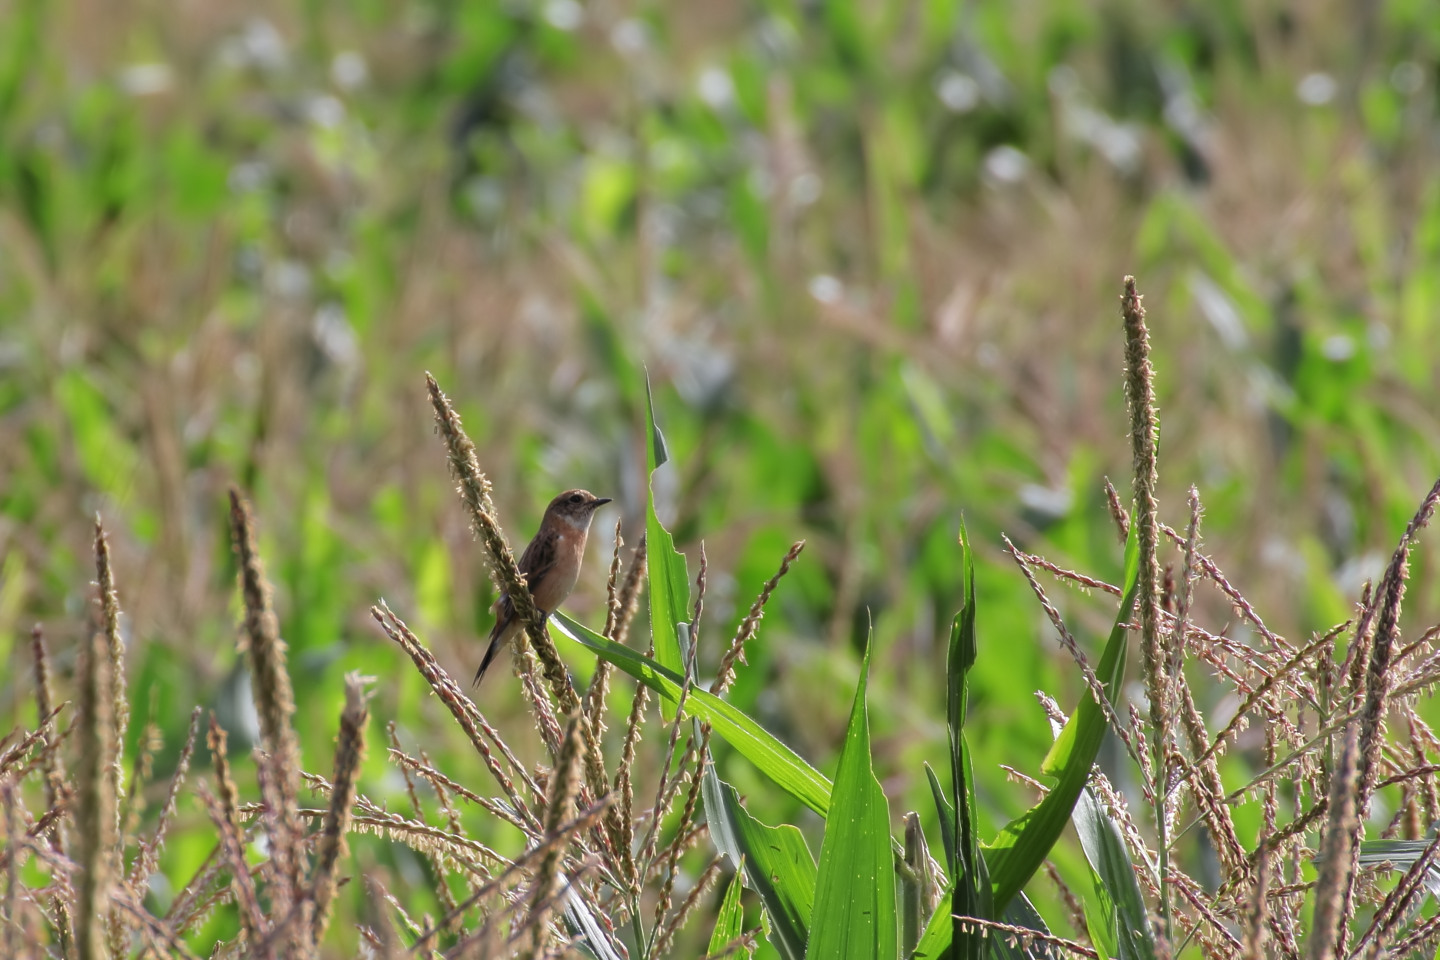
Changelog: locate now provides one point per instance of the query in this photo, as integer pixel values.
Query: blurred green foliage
(869, 254)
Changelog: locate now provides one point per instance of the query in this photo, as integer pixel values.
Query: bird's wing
(535, 563)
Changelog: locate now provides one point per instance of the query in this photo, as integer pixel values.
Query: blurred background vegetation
(870, 254)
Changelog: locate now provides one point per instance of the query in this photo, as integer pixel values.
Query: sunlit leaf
(776, 862)
(773, 758)
(855, 907)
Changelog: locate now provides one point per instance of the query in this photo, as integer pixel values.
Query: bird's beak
(600, 502)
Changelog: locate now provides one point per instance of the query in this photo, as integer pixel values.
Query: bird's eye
(576, 498)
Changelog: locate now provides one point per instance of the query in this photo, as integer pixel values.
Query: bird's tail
(498, 636)
(490, 652)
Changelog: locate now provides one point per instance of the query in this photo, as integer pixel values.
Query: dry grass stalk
(581, 824)
(559, 810)
(1140, 393)
(593, 712)
(725, 675)
(1378, 685)
(95, 832)
(1175, 654)
(133, 806)
(443, 785)
(1015, 936)
(670, 857)
(223, 812)
(1243, 606)
(666, 933)
(1257, 914)
(115, 649)
(349, 751)
(474, 489)
(275, 703)
(1092, 682)
(11, 920)
(52, 764)
(600, 683)
(148, 855)
(409, 767)
(1337, 864)
(629, 595)
(1074, 909)
(1118, 513)
(621, 822)
(664, 791)
(1292, 669)
(158, 935)
(1209, 790)
(56, 792)
(465, 713)
(415, 834)
(746, 941)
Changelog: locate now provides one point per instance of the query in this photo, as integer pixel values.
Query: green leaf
(855, 909)
(729, 922)
(1025, 842)
(774, 759)
(667, 575)
(939, 933)
(775, 860)
(1117, 893)
(967, 866)
(935, 942)
(945, 810)
(1019, 913)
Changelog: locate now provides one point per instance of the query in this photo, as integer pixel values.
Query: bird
(550, 565)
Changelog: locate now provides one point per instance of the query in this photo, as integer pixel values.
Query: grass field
(869, 257)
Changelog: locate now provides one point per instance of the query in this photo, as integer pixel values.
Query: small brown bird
(551, 565)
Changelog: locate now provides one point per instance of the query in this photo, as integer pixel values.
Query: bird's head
(574, 507)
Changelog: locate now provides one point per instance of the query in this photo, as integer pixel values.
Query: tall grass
(624, 827)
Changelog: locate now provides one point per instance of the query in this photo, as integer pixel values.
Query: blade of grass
(855, 907)
(669, 579)
(1118, 897)
(776, 862)
(945, 810)
(967, 865)
(729, 921)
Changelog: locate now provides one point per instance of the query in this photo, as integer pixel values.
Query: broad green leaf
(1117, 894)
(729, 922)
(967, 866)
(855, 909)
(774, 759)
(775, 860)
(1025, 842)
(668, 578)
